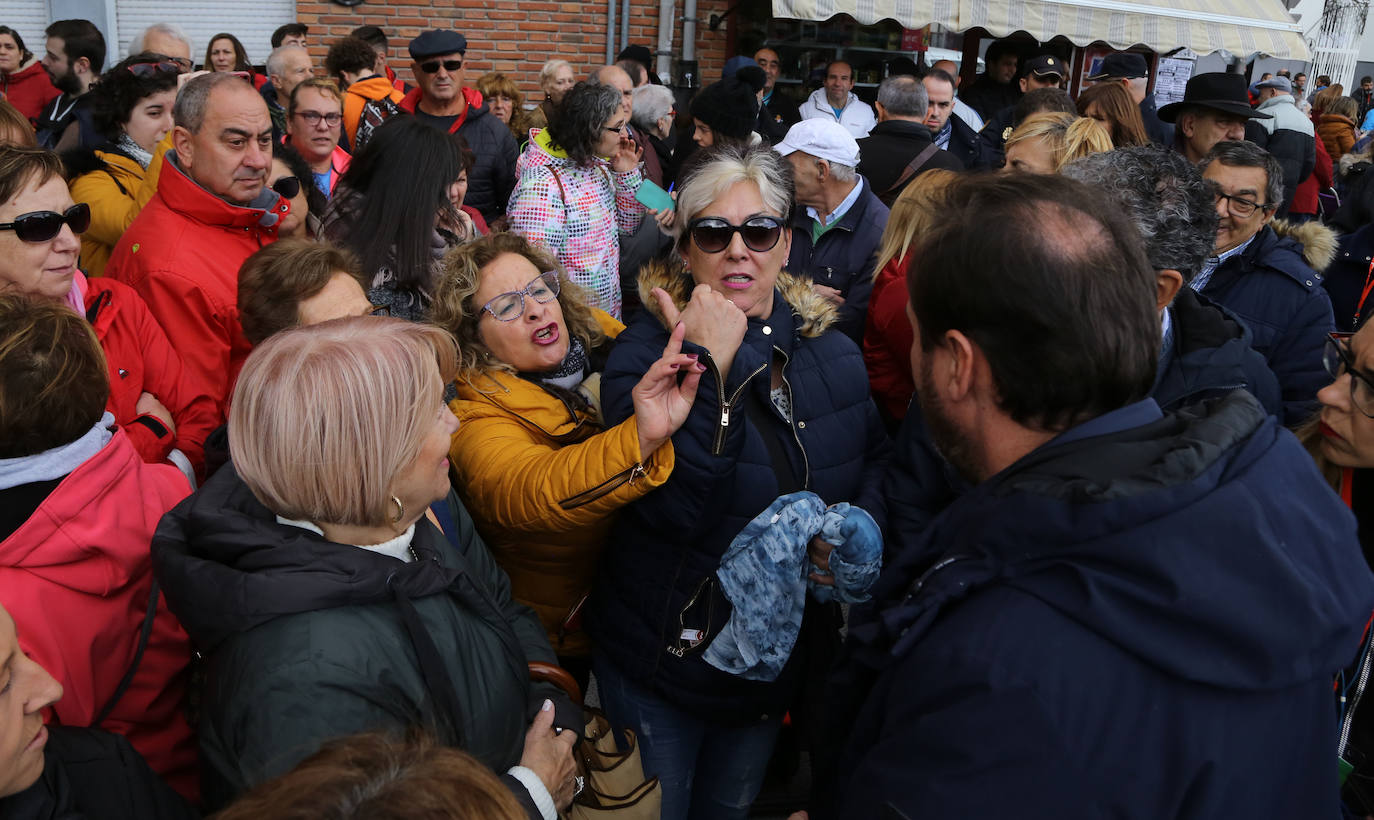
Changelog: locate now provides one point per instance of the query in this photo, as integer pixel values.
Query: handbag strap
(128, 678)
(912, 168)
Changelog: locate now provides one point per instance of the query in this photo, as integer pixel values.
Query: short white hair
(713, 171)
(276, 61)
(651, 103)
(170, 29)
(551, 68)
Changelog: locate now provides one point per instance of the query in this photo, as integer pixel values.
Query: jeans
(707, 772)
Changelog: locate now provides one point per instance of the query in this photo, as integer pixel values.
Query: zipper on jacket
(718, 444)
(605, 488)
(792, 422)
(1354, 703)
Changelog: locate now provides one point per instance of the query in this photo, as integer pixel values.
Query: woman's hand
(627, 156)
(712, 321)
(665, 218)
(550, 756)
(819, 551)
(148, 405)
(661, 404)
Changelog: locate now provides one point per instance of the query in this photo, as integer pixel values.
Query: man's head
(940, 96)
(1203, 128)
(437, 57)
(1266, 75)
(350, 60)
(1127, 68)
(1214, 108)
(1299, 81)
(949, 67)
(314, 119)
(166, 39)
(1323, 81)
(223, 136)
(375, 37)
(289, 66)
(1248, 183)
(1367, 83)
(771, 64)
(75, 55)
(823, 155)
(615, 77)
(1025, 332)
(291, 34)
(1001, 60)
(1172, 206)
(839, 81)
(638, 76)
(1044, 71)
(1274, 87)
(902, 98)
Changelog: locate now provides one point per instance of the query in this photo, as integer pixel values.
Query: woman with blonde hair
(506, 103)
(1043, 143)
(538, 467)
(888, 335)
(556, 79)
(1112, 106)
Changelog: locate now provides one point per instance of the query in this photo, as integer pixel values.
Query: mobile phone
(654, 197)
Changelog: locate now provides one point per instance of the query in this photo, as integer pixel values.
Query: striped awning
(1241, 27)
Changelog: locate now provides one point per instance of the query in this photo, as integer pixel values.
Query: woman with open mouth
(1341, 437)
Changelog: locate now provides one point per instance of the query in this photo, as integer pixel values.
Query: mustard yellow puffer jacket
(112, 194)
(543, 484)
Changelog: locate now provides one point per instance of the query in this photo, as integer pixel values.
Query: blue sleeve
(1296, 357)
(920, 484)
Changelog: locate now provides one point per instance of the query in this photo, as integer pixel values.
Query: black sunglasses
(150, 69)
(41, 226)
(713, 235)
(288, 187)
(432, 66)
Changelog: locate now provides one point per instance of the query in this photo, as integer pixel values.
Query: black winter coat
(1212, 354)
(734, 456)
(887, 150)
(1160, 132)
(1345, 279)
(492, 177)
(845, 256)
(969, 148)
(306, 640)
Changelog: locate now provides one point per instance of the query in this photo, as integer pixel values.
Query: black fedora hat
(1219, 91)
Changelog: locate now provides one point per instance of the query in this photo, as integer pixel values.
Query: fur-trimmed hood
(1319, 243)
(815, 313)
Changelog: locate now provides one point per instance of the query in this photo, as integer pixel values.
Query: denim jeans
(708, 772)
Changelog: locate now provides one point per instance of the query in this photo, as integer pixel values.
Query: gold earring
(400, 510)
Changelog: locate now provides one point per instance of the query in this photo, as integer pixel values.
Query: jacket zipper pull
(725, 415)
(637, 472)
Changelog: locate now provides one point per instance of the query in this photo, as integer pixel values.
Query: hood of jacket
(1212, 355)
(476, 109)
(1137, 536)
(815, 313)
(79, 537)
(373, 88)
(30, 71)
(227, 565)
(540, 151)
(1319, 243)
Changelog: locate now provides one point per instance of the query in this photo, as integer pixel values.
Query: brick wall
(516, 42)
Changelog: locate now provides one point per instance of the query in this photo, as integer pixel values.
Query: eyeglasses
(713, 235)
(509, 306)
(151, 69)
(1338, 361)
(1239, 206)
(288, 187)
(432, 66)
(621, 129)
(42, 226)
(312, 118)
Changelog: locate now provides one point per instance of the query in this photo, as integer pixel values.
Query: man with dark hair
(900, 148)
(291, 34)
(996, 87)
(369, 98)
(837, 102)
(441, 100)
(1079, 603)
(1364, 95)
(74, 58)
(950, 132)
(375, 37)
(1271, 281)
(777, 108)
(638, 76)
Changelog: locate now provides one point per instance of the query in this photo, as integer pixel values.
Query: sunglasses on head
(42, 226)
(432, 66)
(150, 69)
(713, 234)
(287, 187)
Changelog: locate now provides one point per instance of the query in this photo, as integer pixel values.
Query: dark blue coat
(1274, 290)
(666, 546)
(845, 256)
(1345, 279)
(1139, 624)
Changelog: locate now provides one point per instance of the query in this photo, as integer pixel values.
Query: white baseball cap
(822, 139)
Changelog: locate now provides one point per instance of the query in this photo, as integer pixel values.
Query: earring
(400, 510)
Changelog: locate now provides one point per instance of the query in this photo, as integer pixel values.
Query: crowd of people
(1000, 451)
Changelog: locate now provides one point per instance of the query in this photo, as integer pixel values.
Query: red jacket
(140, 359)
(887, 340)
(1305, 197)
(76, 577)
(411, 102)
(182, 254)
(29, 89)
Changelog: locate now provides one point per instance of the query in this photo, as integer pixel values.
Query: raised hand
(627, 156)
(712, 321)
(661, 404)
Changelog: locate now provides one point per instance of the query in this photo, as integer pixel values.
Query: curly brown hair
(459, 278)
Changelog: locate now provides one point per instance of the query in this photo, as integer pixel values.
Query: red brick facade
(513, 38)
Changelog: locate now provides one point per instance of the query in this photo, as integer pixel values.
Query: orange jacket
(1337, 133)
(358, 95)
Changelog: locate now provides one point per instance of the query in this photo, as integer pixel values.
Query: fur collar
(814, 314)
(1319, 243)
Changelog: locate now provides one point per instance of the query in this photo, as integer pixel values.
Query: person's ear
(955, 368)
(822, 170)
(1022, 83)
(184, 144)
(81, 66)
(1185, 124)
(1168, 282)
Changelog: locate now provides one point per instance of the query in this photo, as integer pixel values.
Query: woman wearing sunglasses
(783, 406)
(1341, 437)
(291, 178)
(541, 472)
(132, 109)
(575, 190)
(39, 224)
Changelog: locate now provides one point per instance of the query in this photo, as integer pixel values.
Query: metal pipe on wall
(624, 25)
(610, 31)
(689, 78)
(664, 64)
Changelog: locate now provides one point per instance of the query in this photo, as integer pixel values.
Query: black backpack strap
(128, 678)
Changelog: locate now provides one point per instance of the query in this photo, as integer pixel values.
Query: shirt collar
(841, 209)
